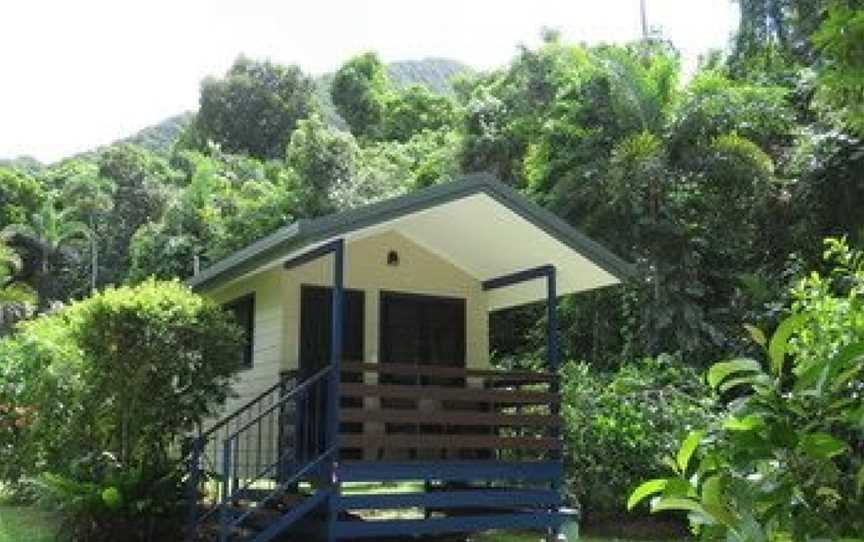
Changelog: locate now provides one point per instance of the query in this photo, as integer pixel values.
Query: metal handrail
(248, 405)
(284, 399)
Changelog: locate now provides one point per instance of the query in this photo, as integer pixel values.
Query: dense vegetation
(786, 461)
(719, 186)
(96, 396)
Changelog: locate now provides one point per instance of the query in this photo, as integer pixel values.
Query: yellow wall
(419, 272)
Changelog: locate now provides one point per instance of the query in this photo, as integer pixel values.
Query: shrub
(620, 425)
(101, 500)
(125, 372)
(787, 461)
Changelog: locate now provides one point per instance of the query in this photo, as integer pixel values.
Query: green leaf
(677, 503)
(822, 445)
(723, 370)
(644, 490)
(687, 448)
(112, 498)
(713, 502)
(750, 379)
(779, 344)
(747, 423)
(757, 335)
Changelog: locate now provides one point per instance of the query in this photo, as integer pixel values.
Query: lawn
(21, 524)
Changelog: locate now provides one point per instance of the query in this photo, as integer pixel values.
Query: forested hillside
(719, 187)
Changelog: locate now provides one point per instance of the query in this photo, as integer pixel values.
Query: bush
(620, 426)
(787, 461)
(122, 374)
(103, 500)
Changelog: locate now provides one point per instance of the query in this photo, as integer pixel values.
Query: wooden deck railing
(405, 412)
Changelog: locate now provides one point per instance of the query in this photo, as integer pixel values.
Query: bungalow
(368, 362)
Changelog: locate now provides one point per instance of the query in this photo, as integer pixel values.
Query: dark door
(316, 309)
(422, 330)
(425, 331)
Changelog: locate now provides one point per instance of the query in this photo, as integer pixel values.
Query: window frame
(248, 355)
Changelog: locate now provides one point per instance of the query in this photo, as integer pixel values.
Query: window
(243, 310)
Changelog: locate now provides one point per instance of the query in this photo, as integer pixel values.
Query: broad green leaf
(750, 379)
(747, 423)
(644, 490)
(677, 503)
(713, 502)
(757, 335)
(723, 370)
(679, 487)
(779, 344)
(822, 445)
(687, 448)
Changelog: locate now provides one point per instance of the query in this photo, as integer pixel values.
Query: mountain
(159, 137)
(434, 73)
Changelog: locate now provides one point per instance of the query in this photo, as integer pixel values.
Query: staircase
(245, 472)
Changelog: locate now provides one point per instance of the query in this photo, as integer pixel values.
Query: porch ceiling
(477, 224)
(486, 239)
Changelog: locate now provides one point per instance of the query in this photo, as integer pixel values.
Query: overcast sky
(81, 73)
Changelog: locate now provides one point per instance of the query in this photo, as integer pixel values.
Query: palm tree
(47, 242)
(16, 298)
(92, 195)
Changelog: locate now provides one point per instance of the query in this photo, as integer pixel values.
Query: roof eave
(307, 232)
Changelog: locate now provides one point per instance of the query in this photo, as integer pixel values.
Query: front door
(422, 330)
(316, 309)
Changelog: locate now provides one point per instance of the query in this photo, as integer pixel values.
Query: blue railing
(258, 453)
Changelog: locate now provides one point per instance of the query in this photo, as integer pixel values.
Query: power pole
(644, 20)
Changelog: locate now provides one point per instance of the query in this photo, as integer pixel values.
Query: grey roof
(306, 232)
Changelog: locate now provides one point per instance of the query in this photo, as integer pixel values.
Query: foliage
(254, 108)
(786, 462)
(359, 91)
(322, 158)
(619, 425)
(125, 371)
(20, 195)
(100, 500)
(416, 109)
(840, 40)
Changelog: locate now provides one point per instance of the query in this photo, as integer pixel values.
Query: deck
(481, 447)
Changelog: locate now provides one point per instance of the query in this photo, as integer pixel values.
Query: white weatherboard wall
(267, 341)
(276, 341)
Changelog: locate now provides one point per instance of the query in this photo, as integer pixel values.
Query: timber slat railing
(393, 411)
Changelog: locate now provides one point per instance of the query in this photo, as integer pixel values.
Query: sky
(81, 73)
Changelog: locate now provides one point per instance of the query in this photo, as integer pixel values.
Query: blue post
(553, 358)
(224, 516)
(335, 378)
(194, 470)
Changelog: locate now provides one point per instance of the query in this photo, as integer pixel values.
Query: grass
(24, 524)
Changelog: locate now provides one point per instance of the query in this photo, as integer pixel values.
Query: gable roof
(306, 233)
